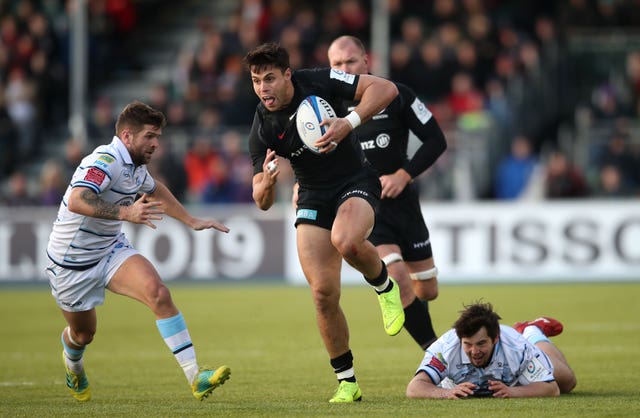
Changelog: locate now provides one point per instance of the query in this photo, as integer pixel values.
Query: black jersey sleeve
(423, 124)
(257, 148)
(332, 85)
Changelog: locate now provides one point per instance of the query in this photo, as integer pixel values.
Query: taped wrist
(354, 119)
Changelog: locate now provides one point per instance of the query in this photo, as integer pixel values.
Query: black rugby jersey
(277, 131)
(384, 138)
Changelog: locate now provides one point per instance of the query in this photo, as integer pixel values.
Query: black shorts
(399, 221)
(318, 206)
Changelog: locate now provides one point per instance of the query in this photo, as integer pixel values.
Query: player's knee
(425, 284)
(340, 242)
(427, 294)
(326, 296)
(158, 296)
(83, 337)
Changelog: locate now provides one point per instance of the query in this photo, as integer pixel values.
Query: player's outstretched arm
(532, 390)
(85, 201)
(172, 207)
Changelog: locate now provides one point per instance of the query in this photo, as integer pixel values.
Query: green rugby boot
(347, 392)
(208, 379)
(78, 384)
(392, 310)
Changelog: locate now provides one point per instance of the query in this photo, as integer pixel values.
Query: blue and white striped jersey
(79, 241)
(515, 361)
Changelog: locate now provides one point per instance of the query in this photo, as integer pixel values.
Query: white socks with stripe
(176, 336)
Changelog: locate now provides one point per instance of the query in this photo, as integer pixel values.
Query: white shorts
(77, 291)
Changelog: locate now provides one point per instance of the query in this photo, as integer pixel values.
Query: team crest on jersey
(383, 140)
(342, 76)
(95, 175)
(420, 110)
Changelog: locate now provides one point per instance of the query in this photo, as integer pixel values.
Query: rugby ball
(311, 112)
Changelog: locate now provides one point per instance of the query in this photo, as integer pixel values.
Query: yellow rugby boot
(78, 384)
(208, 379)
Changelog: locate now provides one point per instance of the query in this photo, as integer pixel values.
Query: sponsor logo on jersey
(95, 175)
(420, 110)
(299, 151)
(437, 363)
(106, 158)
(370, 144)
(383, 140)
(534, 371)
(307, 214)
(342, 76)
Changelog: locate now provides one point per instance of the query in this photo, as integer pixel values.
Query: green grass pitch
(267, 335)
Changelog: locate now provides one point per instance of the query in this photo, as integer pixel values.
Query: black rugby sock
(418, 323)
(343, 362)
(382, 277)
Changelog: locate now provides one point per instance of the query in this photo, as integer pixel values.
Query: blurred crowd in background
(518, 87)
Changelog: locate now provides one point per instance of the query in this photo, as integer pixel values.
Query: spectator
(73, 153)
(611, 183)
(52, 183)
(204, 168)
(18, 193)
(464, 96)
(101, 122)
(514, 171)
(8, 139)
(617, 154)
(168, 169)
(563, 179)
(239, 168)
(20, 96)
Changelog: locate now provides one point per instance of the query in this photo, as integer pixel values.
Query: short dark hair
(267, 55)
(137, 114)
(476, 316)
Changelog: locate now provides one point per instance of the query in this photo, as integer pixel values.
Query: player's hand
(394, 184)
(201, 224)
(271, 177)
(338, 129)
(143, 211)
(462, 390)
(500, 390)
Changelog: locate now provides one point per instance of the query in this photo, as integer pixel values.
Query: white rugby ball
(311, 112)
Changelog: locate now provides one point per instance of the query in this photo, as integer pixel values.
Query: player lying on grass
(480, 357)
(88, 252)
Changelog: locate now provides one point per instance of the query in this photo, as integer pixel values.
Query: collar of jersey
(122, 150)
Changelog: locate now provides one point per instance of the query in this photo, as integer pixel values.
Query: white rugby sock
(534, 334)
(382, 287)
(176, 336)
(72, 356)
